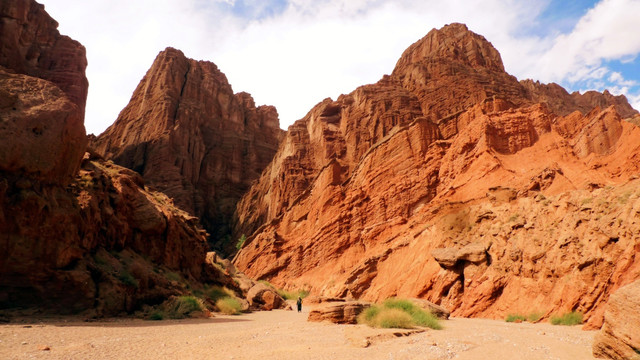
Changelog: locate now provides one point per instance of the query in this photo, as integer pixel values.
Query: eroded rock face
(563, 103)
(77, 233)
(30, 44)
(103, 243)
(192, 138)
(619, 338)
(449, 152)
(42, 131)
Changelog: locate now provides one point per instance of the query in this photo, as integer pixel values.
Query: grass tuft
(571, 318)
(394, 318)
(229, 306)
(398, 313)
(534, 317)
(515, 318)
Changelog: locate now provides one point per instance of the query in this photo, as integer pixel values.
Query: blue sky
(294, 53)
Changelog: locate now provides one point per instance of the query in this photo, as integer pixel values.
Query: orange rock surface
(192, 138)
(619, 338)
(528, 201)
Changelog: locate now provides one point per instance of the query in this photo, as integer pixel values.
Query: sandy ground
(287, 335)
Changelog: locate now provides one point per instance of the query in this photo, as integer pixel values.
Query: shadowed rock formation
(30, 44)
(191, 137)
(77, 233)
(451, 181)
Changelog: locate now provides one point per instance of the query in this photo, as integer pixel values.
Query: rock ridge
(449, 152)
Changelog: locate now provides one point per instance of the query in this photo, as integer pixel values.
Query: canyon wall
(450, 180)
(78, 234)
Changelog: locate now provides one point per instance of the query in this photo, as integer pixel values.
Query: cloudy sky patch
(294, 53)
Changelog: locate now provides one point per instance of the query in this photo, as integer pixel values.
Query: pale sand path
(286, 335)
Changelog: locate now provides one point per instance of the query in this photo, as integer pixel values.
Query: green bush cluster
(287, 295)
(570, 318)
(177, 308)
(229, 306)
(224, 299)
(398, 313)
(532, 317)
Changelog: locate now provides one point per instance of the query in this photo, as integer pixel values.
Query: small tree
(241, 241)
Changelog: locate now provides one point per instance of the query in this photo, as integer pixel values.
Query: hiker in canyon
(299, 303)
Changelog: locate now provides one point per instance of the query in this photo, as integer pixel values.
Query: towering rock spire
(191, 137)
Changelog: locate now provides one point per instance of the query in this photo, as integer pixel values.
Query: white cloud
(607, 32)
(314, 49)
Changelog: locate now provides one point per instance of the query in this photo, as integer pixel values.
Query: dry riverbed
(287, 335)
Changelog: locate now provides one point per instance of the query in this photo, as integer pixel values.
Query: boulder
(449, 257)
(262, 297)
(619, 338)
(339, 313)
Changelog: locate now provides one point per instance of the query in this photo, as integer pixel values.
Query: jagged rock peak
(190, 136)
(453, 42)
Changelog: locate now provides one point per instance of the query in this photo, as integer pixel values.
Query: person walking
(299, 303)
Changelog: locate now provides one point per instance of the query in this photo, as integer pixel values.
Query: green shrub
(571, 318)
(157, 315)
(367, 316)
(184, 306)
(387, 315)
(128, 279)
(241, 241)
(229, 306)
(534, 317)
(216, 293)
(426, 319)
(292, 295)
(394, 318)
(515, 318)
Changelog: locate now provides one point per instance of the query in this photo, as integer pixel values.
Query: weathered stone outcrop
(30, 44)
(450, 152)
(339, 313)
(77, 233)
(102, 243)
(619, 338)
(262, 297)
(42, 131)
(190, 137)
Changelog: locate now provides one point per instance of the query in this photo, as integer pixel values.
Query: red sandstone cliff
(191, 137)
(450, 180)
(78, 233)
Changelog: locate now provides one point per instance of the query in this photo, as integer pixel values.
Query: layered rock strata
(619, 338)
(191, 137)
(449, 181)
